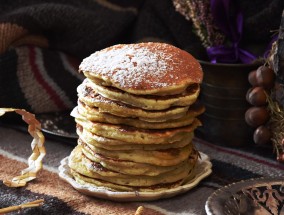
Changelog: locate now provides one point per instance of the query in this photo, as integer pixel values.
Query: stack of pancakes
(136, 116)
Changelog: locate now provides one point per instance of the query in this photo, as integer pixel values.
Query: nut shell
(262, 135)
(256, 116)
(252, 78)
(265, 77)
(257, 96)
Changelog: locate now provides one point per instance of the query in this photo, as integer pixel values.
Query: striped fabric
(40, 80)
(248, 162)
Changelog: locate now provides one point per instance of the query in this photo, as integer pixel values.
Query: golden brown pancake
(137, 136)
(143, 68)
(112, 144)
(164, 157)
(134, 168)
(136, 117)
(148, 102)
(97, 171)
(91, 182)
(91, 98)
(93, 114)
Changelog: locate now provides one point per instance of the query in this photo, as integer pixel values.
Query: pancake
(148, 102)
(91, 98)
(134, 168)
(97, 171)
(165, 157)
(143, 68)
(93, 114)
(91, 182)
(136, 117)
(137, 136)
(112, 144)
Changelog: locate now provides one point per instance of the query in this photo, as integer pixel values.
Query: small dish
(202, 169)
(59, 124)
(262, 196)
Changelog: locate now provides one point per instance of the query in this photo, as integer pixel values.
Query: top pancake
(143, 68)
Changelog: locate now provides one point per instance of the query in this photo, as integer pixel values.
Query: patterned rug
(59, 197)
(229, 165)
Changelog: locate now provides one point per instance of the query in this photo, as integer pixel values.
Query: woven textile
(229, 165)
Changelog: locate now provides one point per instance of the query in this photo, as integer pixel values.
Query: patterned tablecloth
(229, 165)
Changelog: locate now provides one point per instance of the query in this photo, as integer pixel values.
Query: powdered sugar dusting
(134, 66)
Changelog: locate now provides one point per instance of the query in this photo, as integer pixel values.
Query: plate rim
(105, 193)
(233, 187)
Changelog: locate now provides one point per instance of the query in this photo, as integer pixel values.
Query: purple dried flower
(198, 11)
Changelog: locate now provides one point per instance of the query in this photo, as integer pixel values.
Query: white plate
(202, 169)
